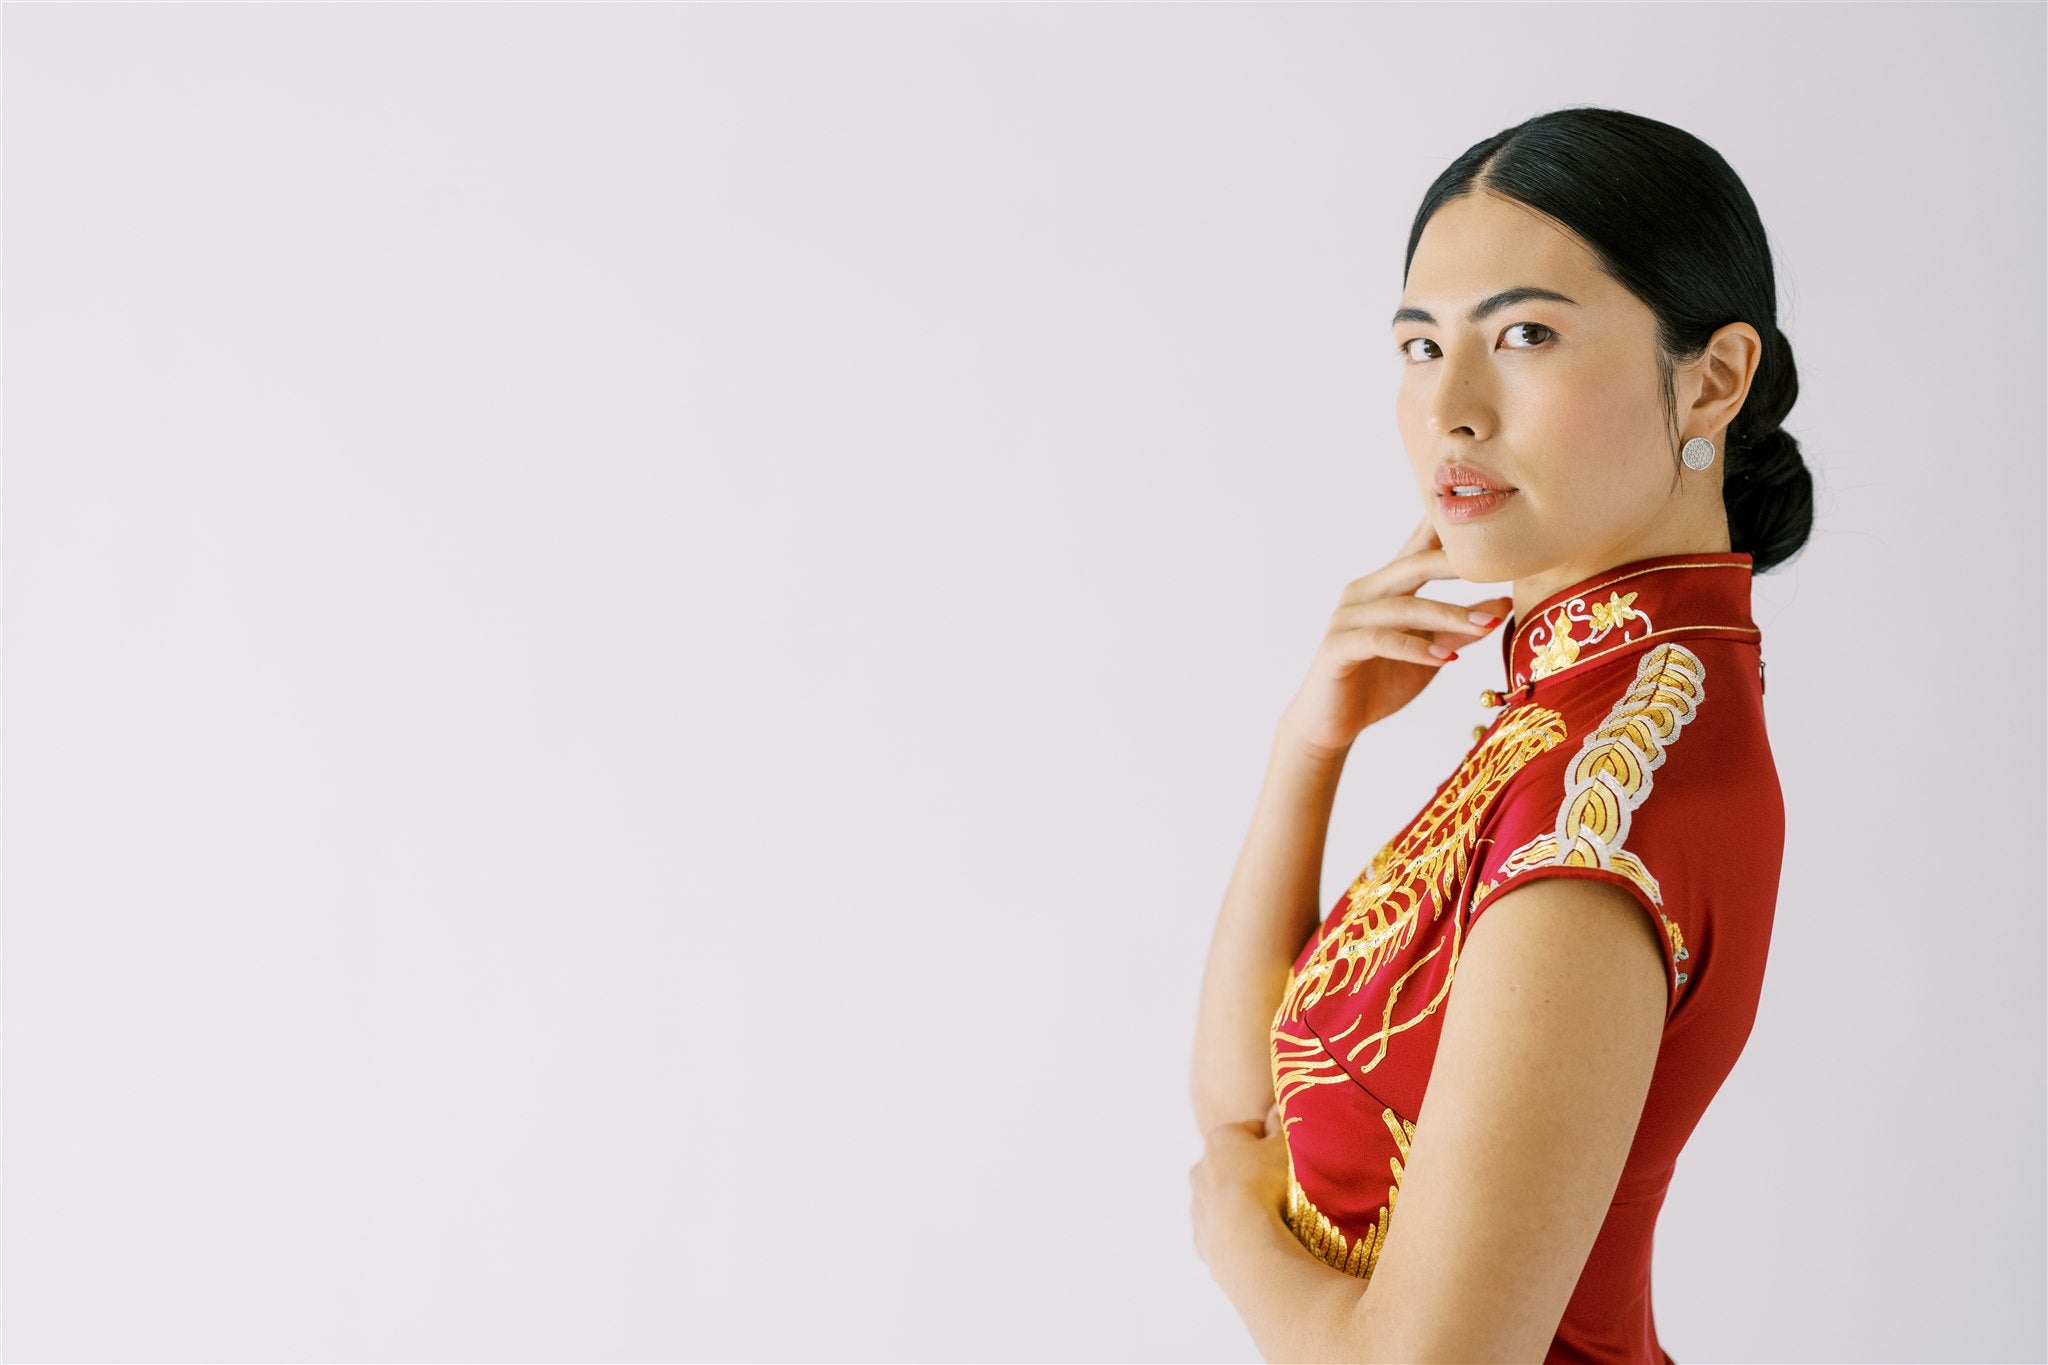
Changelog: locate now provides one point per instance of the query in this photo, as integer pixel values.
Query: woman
(1591, 389)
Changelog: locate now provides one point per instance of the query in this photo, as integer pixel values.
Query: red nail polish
(1450, 656)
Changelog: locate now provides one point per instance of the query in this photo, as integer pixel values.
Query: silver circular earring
(1698, 453)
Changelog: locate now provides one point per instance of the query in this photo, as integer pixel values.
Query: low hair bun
(1767, 488)
(1768, 491)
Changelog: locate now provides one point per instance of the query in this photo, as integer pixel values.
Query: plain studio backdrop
(640, 638)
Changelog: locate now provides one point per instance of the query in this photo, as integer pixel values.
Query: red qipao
(1630, 748)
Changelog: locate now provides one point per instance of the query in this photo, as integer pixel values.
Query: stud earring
(1698, 453)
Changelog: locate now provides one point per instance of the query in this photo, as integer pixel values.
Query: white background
(639, 640)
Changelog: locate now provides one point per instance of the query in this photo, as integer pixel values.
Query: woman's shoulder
(1663, 749)
(1698, 695)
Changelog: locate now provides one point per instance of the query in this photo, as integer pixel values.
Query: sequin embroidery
(1422, 870)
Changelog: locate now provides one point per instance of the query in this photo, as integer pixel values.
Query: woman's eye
(1546, 332)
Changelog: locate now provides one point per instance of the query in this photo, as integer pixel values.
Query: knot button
(1491, 698)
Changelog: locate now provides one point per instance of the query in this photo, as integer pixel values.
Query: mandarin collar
(1618, 609)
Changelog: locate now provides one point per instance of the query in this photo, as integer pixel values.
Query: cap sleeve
(1632, 804)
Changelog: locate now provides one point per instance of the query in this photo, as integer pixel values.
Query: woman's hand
(1241, 1179)
(1376, 655)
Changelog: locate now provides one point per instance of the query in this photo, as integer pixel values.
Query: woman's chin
(1476, 560)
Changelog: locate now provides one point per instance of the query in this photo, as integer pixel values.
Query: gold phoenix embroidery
(1612, 776)
(1301, 1060)
(1323, 1238)
(1383, 906)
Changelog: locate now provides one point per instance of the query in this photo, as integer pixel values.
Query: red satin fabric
(1630, 748)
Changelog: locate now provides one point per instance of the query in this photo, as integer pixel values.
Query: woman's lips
(1478, 505)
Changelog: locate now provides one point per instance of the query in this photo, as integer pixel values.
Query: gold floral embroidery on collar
(1561, 649)
(1703, 594)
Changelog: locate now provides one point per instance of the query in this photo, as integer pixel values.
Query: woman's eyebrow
(1492, 303)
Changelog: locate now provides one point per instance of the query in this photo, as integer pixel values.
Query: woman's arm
(1535, 1096)
(1383, 645)
(1270, 908)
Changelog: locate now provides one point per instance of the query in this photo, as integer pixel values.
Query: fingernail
(1445, 654)
(1482, 618)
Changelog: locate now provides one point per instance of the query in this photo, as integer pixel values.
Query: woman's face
(1555, 398)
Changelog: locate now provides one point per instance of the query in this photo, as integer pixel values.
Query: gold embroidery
(1612, 776)
(1562, 651)
(1434, 856)
(1383, 906)
(1613, 611)
(1559, 653)
(1301, 1060)
(1324, 1239)
(1540, 652)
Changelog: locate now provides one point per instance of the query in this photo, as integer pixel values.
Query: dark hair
(1671, 222)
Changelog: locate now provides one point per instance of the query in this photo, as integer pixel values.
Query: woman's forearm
(1271, 906)
(1296, 1307)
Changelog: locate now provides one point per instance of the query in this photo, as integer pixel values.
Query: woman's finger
(1407, 571)
(1427, 614)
